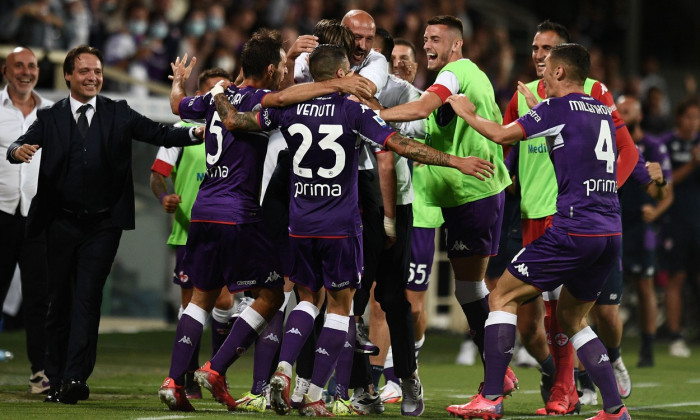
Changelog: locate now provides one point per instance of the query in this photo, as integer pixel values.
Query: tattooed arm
(231, 118)
(419, 152)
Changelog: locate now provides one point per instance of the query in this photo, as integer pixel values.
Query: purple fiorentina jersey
(580, 135)
(324, 135)
(230, 190)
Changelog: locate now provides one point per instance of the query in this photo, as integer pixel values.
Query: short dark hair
(261, 50)
(449, 21)
(330, 31)
(577, 58)
(560, 29)
(685, 104)
(325, 60)
(407, 43)
(387, 42)
(69, 62)
(210, 73)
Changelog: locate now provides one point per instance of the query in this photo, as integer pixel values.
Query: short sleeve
(194, 107)
(367, 124)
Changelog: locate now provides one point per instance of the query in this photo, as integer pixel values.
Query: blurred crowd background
(644, 48)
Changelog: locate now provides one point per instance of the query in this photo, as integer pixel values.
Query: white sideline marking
(693, 381)
(646, 385)
(164, 417)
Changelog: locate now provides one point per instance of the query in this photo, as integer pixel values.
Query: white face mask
(196, 28)
(214, 23)
(159, 30)
(225, 62)
(137, 27)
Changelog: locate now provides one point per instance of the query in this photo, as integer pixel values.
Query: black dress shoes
(53, 395)
(73, 391)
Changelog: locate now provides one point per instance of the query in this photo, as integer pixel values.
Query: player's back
(324, 136)
(230, 191)
(581, 143)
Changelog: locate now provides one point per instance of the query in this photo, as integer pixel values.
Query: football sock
(243, 334)
(499, 345)
(330, 342)
(187, 336)
(266, 350)
(595, 359)
(343, 368)
(300, 323)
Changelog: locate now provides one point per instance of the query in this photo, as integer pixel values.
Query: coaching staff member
(85, 199)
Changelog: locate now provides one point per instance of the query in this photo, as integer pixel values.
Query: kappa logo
(459, 246)
(561, 339)
(522, 269)
(603, 358)
(323, 351)
(273, 276)
(183, 277)
(510, 351)
(347, 344)
(272, 337)
(294, 331)
(185, 340)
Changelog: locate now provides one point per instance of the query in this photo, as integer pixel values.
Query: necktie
(82, 120)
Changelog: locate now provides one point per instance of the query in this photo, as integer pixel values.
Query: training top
(324, 136)
(451, 134)
(186, 167)
(230, 191)
(580, 136)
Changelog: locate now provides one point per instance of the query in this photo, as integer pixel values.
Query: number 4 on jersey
(604, 148)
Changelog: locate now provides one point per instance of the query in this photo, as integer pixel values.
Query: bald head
(362, 26)
(630, 109)
(21, 70)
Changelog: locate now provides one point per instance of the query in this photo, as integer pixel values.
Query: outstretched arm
(358, 86)
(419, 152)
(415, 110)
(501, 134)
(230, 117)
(180, 74)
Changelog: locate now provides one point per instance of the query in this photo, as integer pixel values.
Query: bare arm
(160, 190)
(180, 74)
(358, 86)
(304, 43)
(387, 185)
(419, 152)
(231, 118)
(651, 212)
(416, 110)
(501, 134)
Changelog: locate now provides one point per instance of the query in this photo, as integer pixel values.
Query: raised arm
(419, 152)
(501, 134)
(358, 86)
(181, 73)
(230, 117)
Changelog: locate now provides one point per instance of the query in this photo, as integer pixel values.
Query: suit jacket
(119, 124)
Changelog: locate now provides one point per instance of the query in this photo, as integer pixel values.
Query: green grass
(130, 368)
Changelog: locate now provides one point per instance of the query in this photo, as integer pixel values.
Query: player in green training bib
(472, 208)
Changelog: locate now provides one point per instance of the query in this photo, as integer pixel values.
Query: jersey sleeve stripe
(162, 168)
(442, 91)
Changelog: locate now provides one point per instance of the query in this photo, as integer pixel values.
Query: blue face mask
(137, 27)
(159, 30)
(196, 28)
(214, 23)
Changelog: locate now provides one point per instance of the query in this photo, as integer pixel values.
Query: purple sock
(330, 343)
(194, 362)
(243, 334)
(594, 357)
(499, 340)
(476, 313)
(266, 347)
(219, 332)
(300, 323)
(390, 375)
(343, 368)
(187, 336)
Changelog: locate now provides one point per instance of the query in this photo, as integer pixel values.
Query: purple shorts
(474, 228)
(180, 276)
(238, 256)
(333, 263)
(581, 263)
(422, 254)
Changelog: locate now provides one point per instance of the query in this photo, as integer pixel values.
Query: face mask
(137, 27)
(108, 7)
(159, 30)
(214, 23)
(225, 62)
(196, 28)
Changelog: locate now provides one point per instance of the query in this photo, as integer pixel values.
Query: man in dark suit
(85, 199)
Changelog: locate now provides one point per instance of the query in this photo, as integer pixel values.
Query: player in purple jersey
(581, 246)
(324, 136)
(228, 243)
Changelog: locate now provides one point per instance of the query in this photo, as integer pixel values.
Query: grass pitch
(131, 367)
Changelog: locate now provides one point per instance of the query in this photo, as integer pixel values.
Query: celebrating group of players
(316, 218)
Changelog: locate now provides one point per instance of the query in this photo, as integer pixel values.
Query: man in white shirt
(18, 183)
